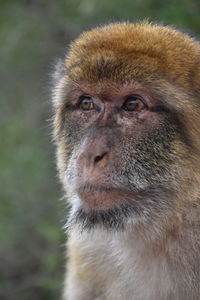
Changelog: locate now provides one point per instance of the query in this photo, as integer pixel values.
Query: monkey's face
(122, 163)
(124, 122)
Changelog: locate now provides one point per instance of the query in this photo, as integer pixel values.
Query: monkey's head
(127, 123)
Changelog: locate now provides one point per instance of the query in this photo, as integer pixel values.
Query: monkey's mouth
(105, 206)
(103, 197)
(113, 207)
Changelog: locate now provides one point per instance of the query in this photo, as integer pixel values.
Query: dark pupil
(86, 104)
(131, 104)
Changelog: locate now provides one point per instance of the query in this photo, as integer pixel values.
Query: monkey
(126, 126)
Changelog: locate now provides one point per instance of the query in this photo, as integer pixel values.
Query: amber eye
(86, 103)
(133, 103)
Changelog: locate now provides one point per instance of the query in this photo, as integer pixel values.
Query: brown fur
(166, 52)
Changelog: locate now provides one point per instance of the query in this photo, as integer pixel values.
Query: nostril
(99, 157)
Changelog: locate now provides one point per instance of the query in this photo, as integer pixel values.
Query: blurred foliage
(33, 33)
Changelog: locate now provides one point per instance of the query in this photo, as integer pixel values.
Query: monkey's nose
(98, 158)
(93, 157)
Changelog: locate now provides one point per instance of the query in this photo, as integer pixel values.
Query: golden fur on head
(122, 47)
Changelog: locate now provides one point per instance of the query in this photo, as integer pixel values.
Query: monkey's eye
(86, 103)
(133, 103)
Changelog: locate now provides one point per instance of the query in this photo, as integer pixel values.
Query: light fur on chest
(119, 267)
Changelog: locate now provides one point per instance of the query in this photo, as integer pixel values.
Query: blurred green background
(33, 33)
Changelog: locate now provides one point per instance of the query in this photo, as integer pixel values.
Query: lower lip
(101, 198)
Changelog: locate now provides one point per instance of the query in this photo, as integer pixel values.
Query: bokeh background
(33, 33)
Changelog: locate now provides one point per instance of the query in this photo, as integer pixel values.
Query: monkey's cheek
(102, 200)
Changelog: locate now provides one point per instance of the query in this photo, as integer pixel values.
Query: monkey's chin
(105, 207)
(116, 208)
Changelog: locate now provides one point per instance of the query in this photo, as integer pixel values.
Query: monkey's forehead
(124, 51)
